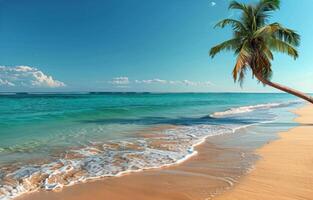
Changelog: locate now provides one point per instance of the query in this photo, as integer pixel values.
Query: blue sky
(137, 45)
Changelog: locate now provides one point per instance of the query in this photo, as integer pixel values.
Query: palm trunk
(285, 89)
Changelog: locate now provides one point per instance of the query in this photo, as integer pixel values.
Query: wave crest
(251, 108)
(115, 158)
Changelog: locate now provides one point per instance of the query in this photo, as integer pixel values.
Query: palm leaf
(242, 62)
(283, 47)
(254, 39)
(227, 45)
(278, 31)
(267, 5)
(237, 5)
(237, 25)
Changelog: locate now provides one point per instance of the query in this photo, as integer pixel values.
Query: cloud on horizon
(26, 76)
(120, 81)
(152, 81)
(123, 80)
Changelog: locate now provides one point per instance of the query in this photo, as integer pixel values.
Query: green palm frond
(254, 39)
(288, 35)
(227, 45)
(263, 9)
(283, 47)
(278, 31)
(236, 24)
(238, 6)
(267, 5)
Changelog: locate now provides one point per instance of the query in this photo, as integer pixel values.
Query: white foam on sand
(116, 158)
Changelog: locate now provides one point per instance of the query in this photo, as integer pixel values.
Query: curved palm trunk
(286, 89)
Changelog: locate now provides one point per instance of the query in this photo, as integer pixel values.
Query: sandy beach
(286, 168)
(156, 100)
(197, 178)
(285, 171)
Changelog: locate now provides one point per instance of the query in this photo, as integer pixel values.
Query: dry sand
(284, 172)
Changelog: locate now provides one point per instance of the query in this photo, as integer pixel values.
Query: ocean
(48, 141)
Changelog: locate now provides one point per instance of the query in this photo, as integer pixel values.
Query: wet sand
(284, 172)
(212, 171)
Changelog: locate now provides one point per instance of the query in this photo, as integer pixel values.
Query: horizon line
(140, 92)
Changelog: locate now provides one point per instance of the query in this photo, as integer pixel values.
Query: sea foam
(250, 108)
(115, 158)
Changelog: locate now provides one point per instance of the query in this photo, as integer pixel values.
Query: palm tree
(254, 41)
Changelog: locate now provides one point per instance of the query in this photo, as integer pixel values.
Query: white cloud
(6, 83)
(175, 82)
(197, 83)
(151, 81)
(124, 81)
(26, 76)
(213, 3)
(120, 81)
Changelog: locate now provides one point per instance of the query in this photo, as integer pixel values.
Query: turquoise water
(107, 134)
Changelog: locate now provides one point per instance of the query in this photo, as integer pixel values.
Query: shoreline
(199, 168)
(143, 185)
(285, 171)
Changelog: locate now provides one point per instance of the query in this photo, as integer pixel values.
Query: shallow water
(53, 140)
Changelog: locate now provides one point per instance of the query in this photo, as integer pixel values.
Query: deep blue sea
(46, 137)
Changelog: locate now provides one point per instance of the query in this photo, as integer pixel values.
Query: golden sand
(197, 178)
(285, 171)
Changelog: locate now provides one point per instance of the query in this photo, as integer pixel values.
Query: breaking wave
(114, 158)
(246, 109)
(156, 149)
